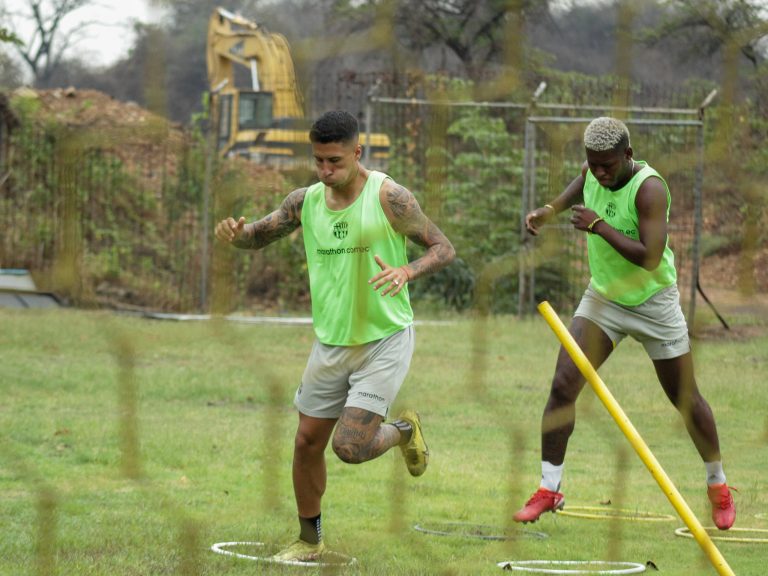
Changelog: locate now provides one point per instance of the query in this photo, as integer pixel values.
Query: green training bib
(340, 246)
(613, 276)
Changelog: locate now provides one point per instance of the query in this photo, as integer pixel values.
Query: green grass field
(130, 446)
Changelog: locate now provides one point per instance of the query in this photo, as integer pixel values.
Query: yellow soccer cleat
(415, 451)
(300, 551)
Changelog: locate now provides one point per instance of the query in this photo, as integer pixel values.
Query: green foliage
(471, 188)
(137, 214)
(757, 112)
(130, 237)
(483, 192)
(140, 223)
(451, 288)
(8, 37)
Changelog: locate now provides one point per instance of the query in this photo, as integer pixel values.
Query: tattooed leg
(360, 436)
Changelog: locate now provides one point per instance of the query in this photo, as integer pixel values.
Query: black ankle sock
(406, 430)
(311, 529)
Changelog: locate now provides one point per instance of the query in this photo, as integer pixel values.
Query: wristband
(592, 224)
(551, 208)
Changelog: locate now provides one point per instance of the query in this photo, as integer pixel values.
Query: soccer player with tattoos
(355, 223)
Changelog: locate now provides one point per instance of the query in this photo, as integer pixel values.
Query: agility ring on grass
(328, 559)
(481, 531)
(580, 567)
(605, 513)
(725, 534)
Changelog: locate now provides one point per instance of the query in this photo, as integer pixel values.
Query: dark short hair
(334, 126)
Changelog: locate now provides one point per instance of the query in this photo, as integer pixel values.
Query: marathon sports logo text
(338, 251)
(371, 396)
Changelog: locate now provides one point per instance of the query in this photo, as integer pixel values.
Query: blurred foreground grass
(130, 446)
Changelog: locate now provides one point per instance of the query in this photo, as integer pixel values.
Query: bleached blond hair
(606, 133)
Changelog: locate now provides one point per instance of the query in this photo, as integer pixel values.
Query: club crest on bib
(341, 230)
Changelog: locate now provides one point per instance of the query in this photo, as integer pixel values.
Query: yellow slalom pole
(669, 489)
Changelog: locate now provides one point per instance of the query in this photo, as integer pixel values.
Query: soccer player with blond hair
(623, 204)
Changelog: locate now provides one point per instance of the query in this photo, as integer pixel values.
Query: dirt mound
(150, 147)
(91, 108)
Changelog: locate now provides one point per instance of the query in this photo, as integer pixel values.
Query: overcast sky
(110, 35)
(107, 39)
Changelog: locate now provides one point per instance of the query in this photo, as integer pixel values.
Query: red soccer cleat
(543, 500)
(723, 508)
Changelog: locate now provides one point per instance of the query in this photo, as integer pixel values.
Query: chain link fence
(121, 216)
(478, 168)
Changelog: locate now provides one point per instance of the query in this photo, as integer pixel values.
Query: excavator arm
(253, 87)
(234, 41)
(255, 102)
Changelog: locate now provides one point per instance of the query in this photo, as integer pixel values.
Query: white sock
(715, 474)
(551, 476)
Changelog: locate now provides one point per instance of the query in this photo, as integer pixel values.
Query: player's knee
(306, 443)
(565, 389)
(348, 452)
(693, 406)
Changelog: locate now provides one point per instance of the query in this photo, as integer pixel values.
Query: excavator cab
(239, 111)
(254, 110)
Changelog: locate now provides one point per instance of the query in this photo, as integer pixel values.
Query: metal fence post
(526, 278)
(698, 222)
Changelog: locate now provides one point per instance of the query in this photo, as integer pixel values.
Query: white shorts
(367, 376)
(658, 323)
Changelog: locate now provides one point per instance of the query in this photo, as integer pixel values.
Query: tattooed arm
(272, 227)
(406, 217)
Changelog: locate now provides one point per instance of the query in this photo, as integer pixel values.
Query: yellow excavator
(255, 102)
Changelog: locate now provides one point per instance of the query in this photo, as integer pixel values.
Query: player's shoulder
(293, 204)
(297, 196)
(397, 201)
(651, 180)
(391, 189)
(652, 192)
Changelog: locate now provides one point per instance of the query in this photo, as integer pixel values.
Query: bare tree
(476, 32)
(715, 25)
(47, 43)
(10, 72)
